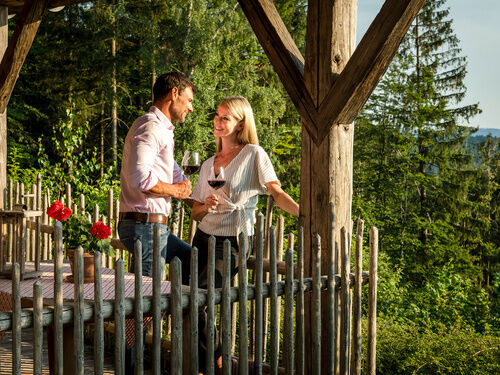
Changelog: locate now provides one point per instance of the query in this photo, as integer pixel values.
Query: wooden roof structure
(328, 86)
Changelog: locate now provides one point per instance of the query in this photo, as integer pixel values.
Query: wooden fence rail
(183, 303)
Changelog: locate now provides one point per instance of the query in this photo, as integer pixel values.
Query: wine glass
(216, 181)
(190, 162)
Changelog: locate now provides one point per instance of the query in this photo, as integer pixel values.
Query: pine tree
(416, 173)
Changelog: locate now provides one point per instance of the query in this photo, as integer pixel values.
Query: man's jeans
(170, 246)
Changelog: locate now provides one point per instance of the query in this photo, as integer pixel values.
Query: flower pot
(88, 266)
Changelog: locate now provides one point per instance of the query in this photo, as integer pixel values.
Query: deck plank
(27, 355)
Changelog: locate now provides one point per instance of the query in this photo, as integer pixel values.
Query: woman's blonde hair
(241, 110)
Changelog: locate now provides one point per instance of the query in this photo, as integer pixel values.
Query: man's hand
(180, 190)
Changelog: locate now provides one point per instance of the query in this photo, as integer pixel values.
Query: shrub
(408, 348)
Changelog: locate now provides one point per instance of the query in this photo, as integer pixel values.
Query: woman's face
(225, 124)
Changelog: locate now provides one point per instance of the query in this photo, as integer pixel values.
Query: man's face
(182, 105)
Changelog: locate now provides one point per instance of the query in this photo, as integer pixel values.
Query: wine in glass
(190, 162)
(216, 181)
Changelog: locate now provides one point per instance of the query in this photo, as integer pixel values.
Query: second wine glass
(190, 162)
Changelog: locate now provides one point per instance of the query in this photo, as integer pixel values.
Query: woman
(230, 210)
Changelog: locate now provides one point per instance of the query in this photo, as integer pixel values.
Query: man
(150, 177)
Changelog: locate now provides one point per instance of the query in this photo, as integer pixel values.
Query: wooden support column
(326, 167)
(4, 40)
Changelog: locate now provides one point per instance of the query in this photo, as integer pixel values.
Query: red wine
(190, 169)
(216, 184)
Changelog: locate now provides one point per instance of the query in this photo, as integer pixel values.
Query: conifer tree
(416, 173)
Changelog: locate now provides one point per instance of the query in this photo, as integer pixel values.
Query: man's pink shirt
(148, 156)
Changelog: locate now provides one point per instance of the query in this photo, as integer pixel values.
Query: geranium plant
(79, 231)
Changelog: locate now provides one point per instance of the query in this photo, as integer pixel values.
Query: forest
(433, 194)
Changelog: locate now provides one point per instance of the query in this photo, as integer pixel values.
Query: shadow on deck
(27, 355)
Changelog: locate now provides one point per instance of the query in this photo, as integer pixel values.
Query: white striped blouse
(246, 176)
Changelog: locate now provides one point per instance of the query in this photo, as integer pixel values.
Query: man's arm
(181, 190)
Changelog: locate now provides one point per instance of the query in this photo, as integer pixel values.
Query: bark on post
(4, 40)
(326, 169)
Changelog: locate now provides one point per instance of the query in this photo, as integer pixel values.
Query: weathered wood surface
(78, 318)
(372, 305)
(367, 64)
(356, 303)
(18, 47)
(288, 333)
(27, 356)
(326, 165)
(157, 315)
(138, 309)
(345, 304)
(226, 309)
(98, 319)
(316, 308)
(210, 306)
(243, 306)
(4, 40)
(58, 299)
(119, 313)
(37, 329)
(176, 290)
(283, 55)
(331, 299)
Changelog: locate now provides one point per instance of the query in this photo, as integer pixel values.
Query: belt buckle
(147, 217)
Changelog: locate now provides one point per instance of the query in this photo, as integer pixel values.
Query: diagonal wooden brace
(18, 48)
(283, 55)
(368, 64)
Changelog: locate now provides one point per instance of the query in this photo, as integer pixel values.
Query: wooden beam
(16, 6)
(368, 63)
(4, 40)
(19, 47)
(283, 55)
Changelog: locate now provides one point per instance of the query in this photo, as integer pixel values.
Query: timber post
(4, 40)
(326, 165)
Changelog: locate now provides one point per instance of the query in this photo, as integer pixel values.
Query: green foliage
(76, 232)
(435, 202)
(408, 348)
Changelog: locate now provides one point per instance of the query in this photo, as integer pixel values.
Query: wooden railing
(244, 303)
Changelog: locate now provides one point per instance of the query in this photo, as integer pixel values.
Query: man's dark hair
(168, 81)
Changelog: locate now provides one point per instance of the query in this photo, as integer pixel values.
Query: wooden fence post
(372, 305)
(243, 300)
(356, 308)
(98, 318)
(138, 310)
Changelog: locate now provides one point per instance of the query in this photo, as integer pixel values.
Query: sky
(477, 25)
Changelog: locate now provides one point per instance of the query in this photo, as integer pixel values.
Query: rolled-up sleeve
(178, 176)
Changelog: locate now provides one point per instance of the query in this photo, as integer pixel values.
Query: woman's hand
(211, 202)
(199, 210)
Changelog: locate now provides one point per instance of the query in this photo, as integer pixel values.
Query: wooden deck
(27, 356)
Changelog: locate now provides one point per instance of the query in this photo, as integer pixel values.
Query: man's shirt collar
(161, 116)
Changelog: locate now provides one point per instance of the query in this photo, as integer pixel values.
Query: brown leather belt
(144, 217)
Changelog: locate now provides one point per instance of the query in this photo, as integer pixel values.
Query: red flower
(57, 211)
(54, 208)
(100, 230)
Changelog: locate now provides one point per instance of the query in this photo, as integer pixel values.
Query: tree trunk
(114, 115)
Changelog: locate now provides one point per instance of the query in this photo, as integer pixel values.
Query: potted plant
(78, 230)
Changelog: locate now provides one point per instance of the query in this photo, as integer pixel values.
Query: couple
(150, 178)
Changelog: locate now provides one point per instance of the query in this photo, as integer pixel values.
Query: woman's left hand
(211, 202)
